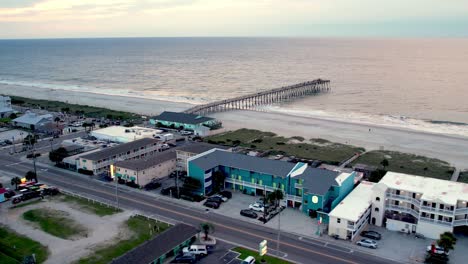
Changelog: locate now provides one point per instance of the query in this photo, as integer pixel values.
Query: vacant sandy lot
(100, 230)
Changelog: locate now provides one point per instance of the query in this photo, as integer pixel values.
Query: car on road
(226, 194)
(257, 207)
(215, 199)
(224, 199)
(371, 234)
(437, 250)
(248, 213)
(213, 205)
(187, 258)
(367, 243)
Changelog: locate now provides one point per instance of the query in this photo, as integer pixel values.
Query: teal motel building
(313, 191)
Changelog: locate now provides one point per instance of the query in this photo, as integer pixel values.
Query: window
(377, 199)
(397, 192)
(376, 209)
(338, 220)
(441, 206)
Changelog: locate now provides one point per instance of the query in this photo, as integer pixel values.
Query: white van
(249, 260)
(197, 250)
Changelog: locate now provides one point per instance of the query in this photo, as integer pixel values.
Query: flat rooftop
(199, 147)
(431, 189)
(356, 203)
(126, 133)
(123, 148)
(147, 162)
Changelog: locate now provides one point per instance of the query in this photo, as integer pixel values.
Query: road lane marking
(218, 224)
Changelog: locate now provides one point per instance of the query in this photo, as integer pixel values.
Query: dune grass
(314, 149)
(90, 206)
(408, 163)
(269, 259)
(15, 247)
(55, 222)
(142, 230)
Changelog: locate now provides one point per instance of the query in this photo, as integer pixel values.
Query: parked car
(371, 234)
(437, 250)
(187, 258)
(9, 193)
(224, 199)
(50, 191)
(152, 186)
(215, 199)
(367, 243)
(249, 260)
(197, 250)
(257, 207)
(186, 133)
(213, 205)
(226, 194)
(248, 213)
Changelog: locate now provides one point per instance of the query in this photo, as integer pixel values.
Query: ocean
(419, 84)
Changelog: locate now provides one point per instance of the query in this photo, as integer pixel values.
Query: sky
(188, 18)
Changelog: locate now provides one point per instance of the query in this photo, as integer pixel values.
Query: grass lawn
(89, 206)
(321, 149)
(54, 222)
(142, 229)
(89, 111)
(14, 247)
(463, 177)
(269, 259)
(408, 163)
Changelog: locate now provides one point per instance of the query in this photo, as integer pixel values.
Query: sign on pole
(262, 248)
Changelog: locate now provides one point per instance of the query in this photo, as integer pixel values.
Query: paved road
(232, 230)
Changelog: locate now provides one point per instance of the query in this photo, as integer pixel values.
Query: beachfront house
(416, 204)
(352, 214)
(200, 125)
(313, 191)
(34, 121)
(5, 106)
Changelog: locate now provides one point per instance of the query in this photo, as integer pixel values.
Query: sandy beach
(123, 103)
(451, 148)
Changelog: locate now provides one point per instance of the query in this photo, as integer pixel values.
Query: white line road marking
(13, 164)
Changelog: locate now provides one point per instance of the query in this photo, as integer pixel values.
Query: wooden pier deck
(250, 101)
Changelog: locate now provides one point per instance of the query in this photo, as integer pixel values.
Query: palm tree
(30, 175)
(447, 240)
(15, 181)
(57, 120)
(207, 228)
(384, 163)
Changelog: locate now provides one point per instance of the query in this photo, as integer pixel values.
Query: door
(373, 220)
(413, 230)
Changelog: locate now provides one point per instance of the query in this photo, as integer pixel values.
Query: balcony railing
(404, 198)
(461, 211)
(461, 222)
(249, 184)
(437, 210)
(429, 220)
(402, 209)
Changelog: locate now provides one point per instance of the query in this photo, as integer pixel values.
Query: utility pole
(116, 192)
(279, 233)
(264, 204)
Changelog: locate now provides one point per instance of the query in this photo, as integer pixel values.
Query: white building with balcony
(352, 214)
(416, 204)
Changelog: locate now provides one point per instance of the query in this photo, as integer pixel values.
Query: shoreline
(448, 147)
(136, 105)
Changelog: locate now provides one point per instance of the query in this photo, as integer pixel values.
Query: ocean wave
(395, 121)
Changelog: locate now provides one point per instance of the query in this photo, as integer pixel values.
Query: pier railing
(250, 101)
